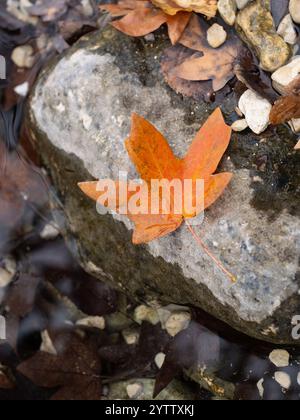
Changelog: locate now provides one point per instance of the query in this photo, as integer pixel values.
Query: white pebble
(287, 30)
(8, 269)
(280, 358)
(216, 35)
(22, 90)
(145, 313)
(287, 74)
(50, 231)
(92, 322)
(134, 391)
(47, 345)
(260, 387)
(131, 336)
(160, 359)
(256, 110)
(23, 57)
(283, 379)
(239, 125)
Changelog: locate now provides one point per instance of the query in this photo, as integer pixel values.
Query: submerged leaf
(75, 370)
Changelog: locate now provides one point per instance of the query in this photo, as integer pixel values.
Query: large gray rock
(79, 117)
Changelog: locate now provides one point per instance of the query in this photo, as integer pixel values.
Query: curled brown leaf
(141, 17)
(285, 109)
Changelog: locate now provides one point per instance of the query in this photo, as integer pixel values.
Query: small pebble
(239, 125)
(260, 387)
(22, 90)
(283, 379)
(287, 30)
(23, 56)
(216, 35)
(295, 125)
(256, 110)
(47, 345)
(177, 322)
(150, 38)
(285, 75)
(50, 231)
(92, 322)
(280, 358)
(145, 313)
(160, 359)
(134, 391)
(238, 111)
(131, 336)
(87, 8)
(8, 268)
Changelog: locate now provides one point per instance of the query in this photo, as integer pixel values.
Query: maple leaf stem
(209, 253)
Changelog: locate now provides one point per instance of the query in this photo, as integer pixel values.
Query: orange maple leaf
(154, 160)
(141, 17)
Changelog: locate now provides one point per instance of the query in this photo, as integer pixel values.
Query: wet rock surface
(80, 116)
(256, 26)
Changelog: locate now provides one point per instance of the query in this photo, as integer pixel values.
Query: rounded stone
(216, 35)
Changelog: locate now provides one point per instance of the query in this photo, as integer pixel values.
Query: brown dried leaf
(140, 17)
(171, 58)
(208, 63)
(5, 381)
(75, 370)
(171, 7)
(285, 109)
(176, 25)
(20, 186)
(141, 22)
(293, 88)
